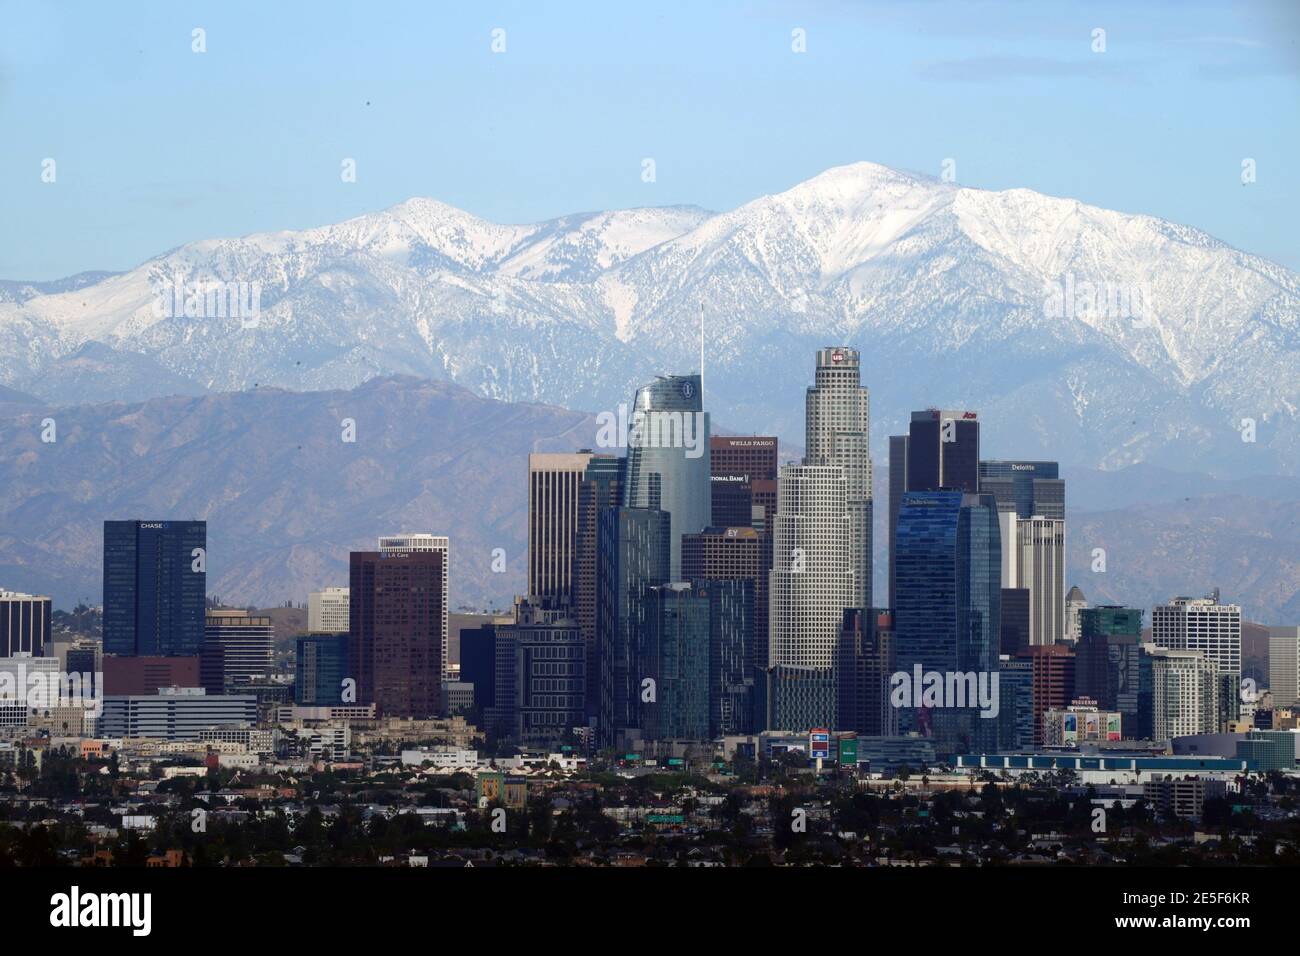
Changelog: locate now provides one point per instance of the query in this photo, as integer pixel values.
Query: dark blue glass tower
(320, 668)
(633, 556)
(155, 584)
(948, 592)
(676, 658)
(731, 680)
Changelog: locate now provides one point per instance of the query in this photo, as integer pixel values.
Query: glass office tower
(668, 458)
(676, 658)
(632, 555)
(155, 585)
(948, 591)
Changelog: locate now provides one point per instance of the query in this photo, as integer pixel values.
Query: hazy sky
(156, 145)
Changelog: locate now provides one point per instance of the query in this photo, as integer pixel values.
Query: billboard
(1112, 727)
(848, 751)
(819, 742)
(1070, 727)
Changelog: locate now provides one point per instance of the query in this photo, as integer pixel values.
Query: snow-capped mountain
(1096, 337)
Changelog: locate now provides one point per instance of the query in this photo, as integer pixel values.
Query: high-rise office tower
(237, 650)
(897, 485)
(1016, 693)
(399, 618)
(541, 678)
(1205, 625)
(837, 431)
(1015, 621)
(155, 578)
(866, 662)
(676, 659)
(1284, 665)
(1052, 666)
(1109, 620)
(1112, 668)
(753, 456)
(754, 461)
(1040, 568)
(949, 596)
(735, 554)
(633, 553)
(553, 482)
(407, 543)
(732, 679)
(1029, 487)
(1186, 691)
(25, 622)
(811, 583)
(743, 474)
(1200, 624)
(668, 457)
(1075, 603)
(320, 667)
(940, 452)
(601, 487)
(478, 657)
(327, 611)
(1031, 510)
(943, 451)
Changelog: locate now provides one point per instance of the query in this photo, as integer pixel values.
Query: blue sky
(156, 145)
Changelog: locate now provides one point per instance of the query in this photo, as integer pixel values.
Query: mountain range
(1099, 338)
(286, 497)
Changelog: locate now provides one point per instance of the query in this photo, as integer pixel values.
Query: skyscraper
(1040, 568)
(1031, 509)
(407, 543)
(865, 666)
(676, 659)
(1029, 487)
(668, 458)
(237, 650)
(327, 611)
(732, 679)
(735, 554)
(1075, 603)
(837, 431)
(1284, 665)
(1052, 666)
(541, 678)
(1214, 629)
(811, 583)
(25, 622)
(155, 580)
(633, 551)
(398, 622)
(320, 667)
(940, 452)
(1185, 693)
(754, 460)
(742, 469)
(1200, 624)
(1015, 620)
(753, 456)
(1112, 668)
(601, 488)
(943, 451)
(553, 483)
(897, 485)
(948, 591)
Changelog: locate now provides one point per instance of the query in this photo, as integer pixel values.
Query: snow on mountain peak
(975, 296)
